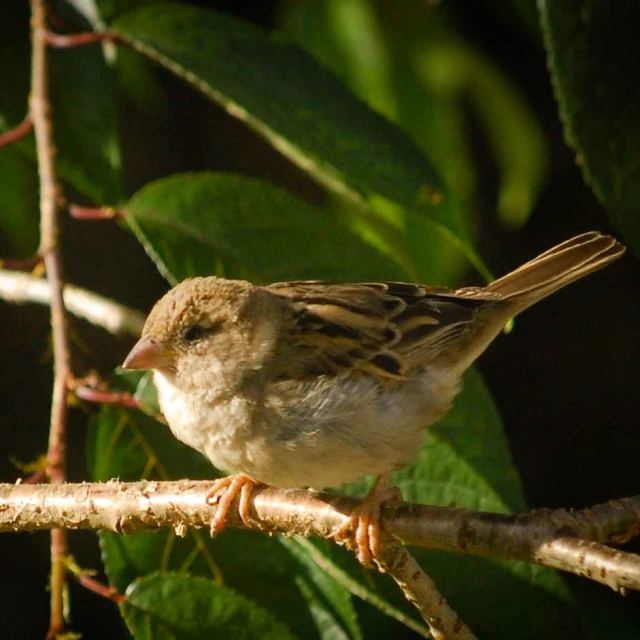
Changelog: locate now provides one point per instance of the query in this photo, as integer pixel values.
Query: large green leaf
(192, 223)
(301, 108)
(183, 607)
(131, 445)
(593, 52)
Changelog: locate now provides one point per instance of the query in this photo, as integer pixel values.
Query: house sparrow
(313, 384)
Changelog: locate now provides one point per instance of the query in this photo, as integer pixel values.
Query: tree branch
(419, 589)
(19, 287)
(39, 109)
(559, 539)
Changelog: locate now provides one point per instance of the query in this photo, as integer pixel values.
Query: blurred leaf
(190, 222)
(14, 64)
(346, 36)
(83, 108)
(85, 123)
(515, 135)
(383, 65)
(522, 14)
(140, 83)
(407, 61)
(181, 607)
(18, 204)
(593, 50)
(302, 110)
(130, 445)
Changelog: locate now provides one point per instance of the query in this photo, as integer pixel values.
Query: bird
(315, 384)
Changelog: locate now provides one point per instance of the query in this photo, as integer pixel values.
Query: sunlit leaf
(192, 223)
(301, 108)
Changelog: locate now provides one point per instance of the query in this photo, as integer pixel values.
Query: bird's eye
(194, 333)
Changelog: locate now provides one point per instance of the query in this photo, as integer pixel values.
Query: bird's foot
(362, 529)
(223, 493)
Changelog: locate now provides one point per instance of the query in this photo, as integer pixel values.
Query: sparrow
(314, 384)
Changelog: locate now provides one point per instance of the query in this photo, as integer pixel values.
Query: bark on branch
(19, 287)
(572, 541)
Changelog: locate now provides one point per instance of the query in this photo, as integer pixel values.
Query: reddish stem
(121, 399)
(40, 109)
(93, 213)
(60, 41)
(103, 590)
(18, 132)
(21, 264)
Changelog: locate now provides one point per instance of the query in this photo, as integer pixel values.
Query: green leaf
(191, 223)
(131, 445)
(515, 135)
(592, 49)
(180, 607)
(296, 104)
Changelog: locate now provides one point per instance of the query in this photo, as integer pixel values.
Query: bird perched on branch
(313, 384)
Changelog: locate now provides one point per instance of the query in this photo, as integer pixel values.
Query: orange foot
(223, 493)
(363, 527)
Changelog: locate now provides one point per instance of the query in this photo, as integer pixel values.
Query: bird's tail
(557, 268)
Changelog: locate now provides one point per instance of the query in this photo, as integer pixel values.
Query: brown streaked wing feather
(386, 329)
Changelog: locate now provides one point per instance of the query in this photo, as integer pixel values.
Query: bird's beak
(147, 354)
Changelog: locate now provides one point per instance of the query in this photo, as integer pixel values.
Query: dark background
(565, 380)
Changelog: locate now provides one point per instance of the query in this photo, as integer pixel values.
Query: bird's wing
(387, 329)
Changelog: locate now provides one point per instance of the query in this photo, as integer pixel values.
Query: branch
(419, 589)
(39, 109)
(19, 287)
(559, 539)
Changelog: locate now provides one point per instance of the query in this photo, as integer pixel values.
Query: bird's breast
(219, 428)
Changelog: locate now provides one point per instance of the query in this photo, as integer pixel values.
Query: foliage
(392, 154)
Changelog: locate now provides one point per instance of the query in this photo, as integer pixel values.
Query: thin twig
(93, 213)
(18, 132)
(419, 589)
(49, 250)
(19, 287)
(68, 41)
(32, 263)
(127, 507)
(103, 590)
(98, 396)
